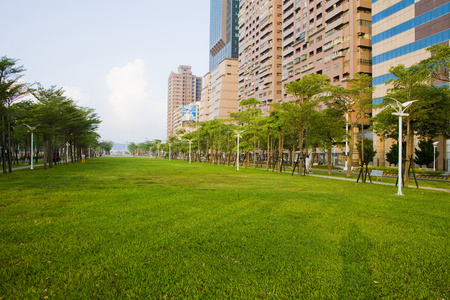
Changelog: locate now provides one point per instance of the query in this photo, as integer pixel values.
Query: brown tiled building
(183, 88)
(219, 93)
(260, 50)
(331, 37)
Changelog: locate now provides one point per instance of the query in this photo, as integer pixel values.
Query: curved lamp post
(400, 112)
(170, 144)
(67, 152)
(190, 143)
(238, 134)
(434, 154)
(31, 148)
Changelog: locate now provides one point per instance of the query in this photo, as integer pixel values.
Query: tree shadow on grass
(357, 281)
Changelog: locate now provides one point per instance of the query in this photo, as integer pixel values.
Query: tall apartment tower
(260, 51)
(402, 30)
(183, 88)
(331, 37)
(223, 32)
(219, 94)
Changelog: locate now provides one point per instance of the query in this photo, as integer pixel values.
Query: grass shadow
(357, 281)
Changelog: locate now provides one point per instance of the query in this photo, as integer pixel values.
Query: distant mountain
(118, 146)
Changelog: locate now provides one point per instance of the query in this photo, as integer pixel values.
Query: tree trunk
(254, 149)
(300, 149)
(9, 144)
(45, 152)
(50, 152)
(268, 150)
(409, 149)
(350, 149)
(329, 158)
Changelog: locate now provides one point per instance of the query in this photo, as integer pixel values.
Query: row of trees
(315, 119)
(58, 124)
(319, 112)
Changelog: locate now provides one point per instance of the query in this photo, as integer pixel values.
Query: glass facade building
(401, 32)
(224, 31)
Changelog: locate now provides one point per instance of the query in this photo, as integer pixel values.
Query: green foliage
(327, 128)
(384, 124)
(425, 153)
(106, 146)
(369, 151)
(432, 113)
(438, 63)
(392, 155)
(307, 87)
(10, 85)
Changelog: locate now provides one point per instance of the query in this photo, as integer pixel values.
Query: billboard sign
(189, 114)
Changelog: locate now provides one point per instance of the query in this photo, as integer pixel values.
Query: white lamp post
(170, 144)
(31, 147)
(190, 142)
(157, 154)
(346, 143)
(238, 134)
(67, 152)
(434, 154)
(400, 112)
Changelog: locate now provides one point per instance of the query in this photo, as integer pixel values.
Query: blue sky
(112, 56)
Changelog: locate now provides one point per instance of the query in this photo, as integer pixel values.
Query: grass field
(145, 228)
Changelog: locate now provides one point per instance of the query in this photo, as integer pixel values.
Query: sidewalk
(382, 183)
(26, 167)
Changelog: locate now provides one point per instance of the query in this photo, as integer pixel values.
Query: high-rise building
(219, 95)
(260, 50)
(183, 89)
(331, 37)
(402, 30)
(224, 31)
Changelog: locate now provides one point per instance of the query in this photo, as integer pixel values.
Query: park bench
(377, 173)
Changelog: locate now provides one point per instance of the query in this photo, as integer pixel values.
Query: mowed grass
(153, 229)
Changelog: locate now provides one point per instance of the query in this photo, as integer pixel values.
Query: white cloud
(132, 113)
(78, 95)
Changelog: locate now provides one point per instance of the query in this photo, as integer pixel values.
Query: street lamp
(348, 119)
(238, 134)
(400, 112)
(31, 148)
(170, 144)
(157, 154)
(434, 154)
(190, 142)
(67, 152)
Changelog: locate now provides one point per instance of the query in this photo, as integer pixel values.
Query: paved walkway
(382, 183)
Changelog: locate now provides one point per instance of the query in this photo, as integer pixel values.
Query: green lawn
(146, 228)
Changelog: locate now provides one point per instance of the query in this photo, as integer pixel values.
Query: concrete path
(382, 183)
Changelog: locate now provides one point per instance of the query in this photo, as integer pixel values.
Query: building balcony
(336, 55)
(298, 41)
(316, 30)
(333, 14)
(364, 42)
(328, 46)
